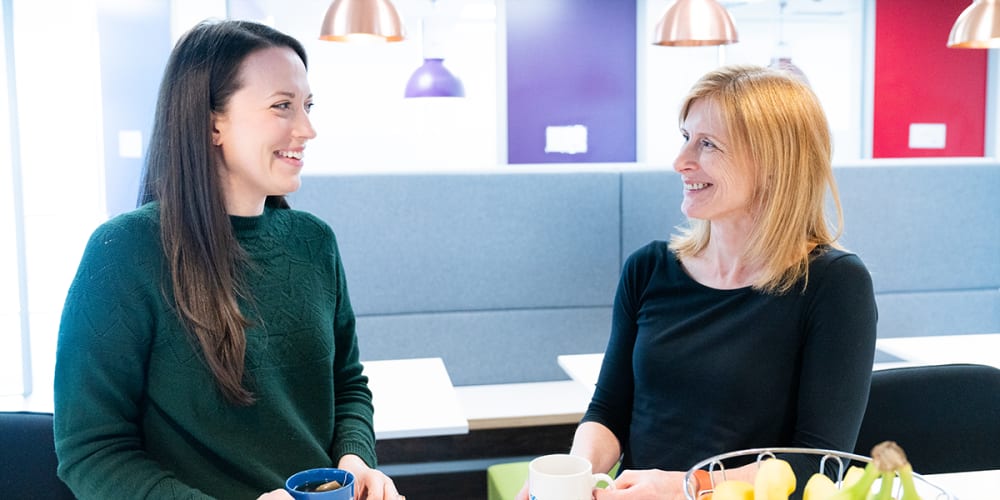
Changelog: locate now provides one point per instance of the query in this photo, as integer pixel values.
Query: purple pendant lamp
(782, 59)
(432, 78)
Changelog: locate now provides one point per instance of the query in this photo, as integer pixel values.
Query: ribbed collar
(248, 227)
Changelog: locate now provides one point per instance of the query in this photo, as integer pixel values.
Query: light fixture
(977, 27)
(695, 23)
(432, 78)
(348, 20)
(782, 58)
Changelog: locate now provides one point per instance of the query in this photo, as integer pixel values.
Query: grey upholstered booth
(498, 273)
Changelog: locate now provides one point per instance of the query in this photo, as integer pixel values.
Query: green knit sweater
(137, 412)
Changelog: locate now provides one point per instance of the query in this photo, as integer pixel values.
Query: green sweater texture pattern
(138, 413)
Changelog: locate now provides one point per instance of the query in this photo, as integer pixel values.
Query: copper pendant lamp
(348, 20)
(977, 27)
(695, 23)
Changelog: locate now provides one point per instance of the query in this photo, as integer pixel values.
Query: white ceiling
(307, 15)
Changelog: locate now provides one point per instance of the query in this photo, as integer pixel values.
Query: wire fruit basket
(840, 460)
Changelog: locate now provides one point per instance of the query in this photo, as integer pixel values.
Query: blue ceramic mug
(302, 485)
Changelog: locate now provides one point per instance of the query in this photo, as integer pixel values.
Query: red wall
(919, 80)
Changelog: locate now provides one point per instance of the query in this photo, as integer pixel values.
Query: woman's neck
(724, 263)
(244, 207)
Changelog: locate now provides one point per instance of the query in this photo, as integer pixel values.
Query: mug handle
(598, 477)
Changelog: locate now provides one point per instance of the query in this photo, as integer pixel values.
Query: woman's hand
(276, 495)
(637, 485)
(643, 484)
(369, 484)
(523, 494)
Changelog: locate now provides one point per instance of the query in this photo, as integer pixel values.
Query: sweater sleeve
(837, 358)
(838, 351)
(354, 433)
(100, 375)
(611, 404)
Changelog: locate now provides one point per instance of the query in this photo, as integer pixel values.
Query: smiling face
(262, 132)
(718, 179)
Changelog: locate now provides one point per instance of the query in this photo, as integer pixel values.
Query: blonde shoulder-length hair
(776, 121)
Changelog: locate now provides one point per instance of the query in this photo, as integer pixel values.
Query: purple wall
(571, 62)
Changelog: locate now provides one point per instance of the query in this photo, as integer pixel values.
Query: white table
(414, 398)
(979, 485)
(585, 368)
(524, 404)
(983, 348)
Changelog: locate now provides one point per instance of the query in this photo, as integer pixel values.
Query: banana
(859, 489)
(887, 459)
(906, 477)
(885, 490)
(852, 475)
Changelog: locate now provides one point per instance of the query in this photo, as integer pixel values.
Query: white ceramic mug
(563, 477)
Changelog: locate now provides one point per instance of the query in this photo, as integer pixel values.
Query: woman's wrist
(352, 463)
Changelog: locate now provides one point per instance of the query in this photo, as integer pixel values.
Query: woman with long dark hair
(207, 346)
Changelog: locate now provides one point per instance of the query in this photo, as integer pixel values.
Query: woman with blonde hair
(751, 327)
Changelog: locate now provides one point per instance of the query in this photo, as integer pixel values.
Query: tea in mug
(317, 486)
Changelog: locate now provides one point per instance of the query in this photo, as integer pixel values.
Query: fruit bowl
(838, 460)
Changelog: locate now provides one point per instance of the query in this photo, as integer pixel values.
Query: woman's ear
(216, 134)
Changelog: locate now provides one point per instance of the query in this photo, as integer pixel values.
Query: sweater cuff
(367, 453)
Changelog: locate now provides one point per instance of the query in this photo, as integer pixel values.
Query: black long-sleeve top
(692, 371)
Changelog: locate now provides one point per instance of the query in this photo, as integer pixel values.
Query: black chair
(945, 417)
(28, 458)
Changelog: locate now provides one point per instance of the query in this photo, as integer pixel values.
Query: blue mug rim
(320, 473)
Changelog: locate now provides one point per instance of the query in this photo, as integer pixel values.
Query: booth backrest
(500, 272)
(28, 458)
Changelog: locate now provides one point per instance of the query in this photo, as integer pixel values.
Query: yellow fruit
(733, 489)
(819, 487)
(775, 480)
(852, 475)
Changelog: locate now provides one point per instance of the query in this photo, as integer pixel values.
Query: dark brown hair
(182, 174)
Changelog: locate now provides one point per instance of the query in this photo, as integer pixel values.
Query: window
(61, 174)
(11, 368)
